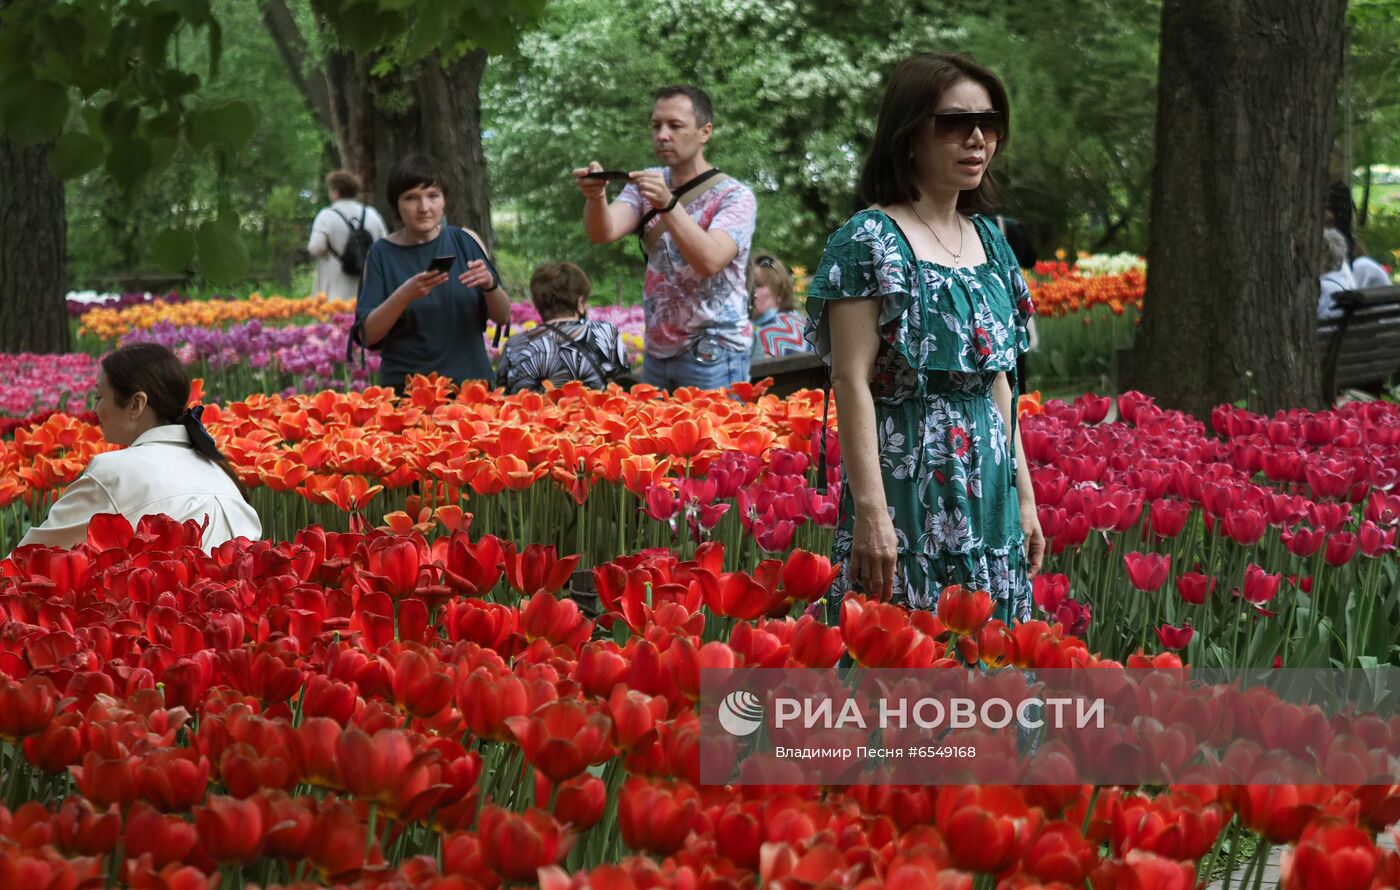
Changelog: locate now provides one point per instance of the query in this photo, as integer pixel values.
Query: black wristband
(675, 199)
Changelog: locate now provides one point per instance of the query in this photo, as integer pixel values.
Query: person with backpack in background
(341, 236)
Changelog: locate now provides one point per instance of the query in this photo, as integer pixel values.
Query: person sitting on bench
(1336, 276)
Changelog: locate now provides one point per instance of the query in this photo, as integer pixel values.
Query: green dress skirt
(945, 455)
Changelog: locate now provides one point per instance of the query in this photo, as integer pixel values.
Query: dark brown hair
(911, 97)
(344, 184)
(154, 370)
(556, 289)
(699, 102)
(411, 172)
(778, 279)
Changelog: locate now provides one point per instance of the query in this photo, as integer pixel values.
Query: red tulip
(1245, 526)
(579, 803)
(963, 611)
(1332, 854)
(518, 845)
(559, 621)
(337, 839)
(600, 668)
(1148, 571)
(985, 827)
(562, 738)
(1302, 542)
(816, 645)
(1171, 825)
(739, 596)
(537, 568)
(1175, 637)
(635, 715)
(1194, 587)
(79, 828)
(395, 561)
(1168, 517)
(656, 817)
(470, 568)
(1279, 812)
(165, 838)
(230, 830)
(107, 781)
(173, 779)
(1060, 853)
(59, 746)
(26, 707)
(1259, 585)
(1141, 870)
(422, 686)
(1375, 542)
(807, 577)
(324, 697)
(487, 702)
(373, 767)
(1049, 590)
(1341, 547)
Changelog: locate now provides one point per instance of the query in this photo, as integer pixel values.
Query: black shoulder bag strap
(584, 346)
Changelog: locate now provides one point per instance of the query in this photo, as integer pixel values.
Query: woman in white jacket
(171, 464)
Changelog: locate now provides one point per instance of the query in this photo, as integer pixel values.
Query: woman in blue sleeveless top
(919, 307)
(423, 320)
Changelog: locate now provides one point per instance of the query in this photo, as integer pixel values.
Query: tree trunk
(430, 106)
(33, 249)
(1247, 91)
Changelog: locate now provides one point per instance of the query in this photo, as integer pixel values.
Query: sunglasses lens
(959, 127)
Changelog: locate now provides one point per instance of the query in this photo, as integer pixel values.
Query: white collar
(172, 434)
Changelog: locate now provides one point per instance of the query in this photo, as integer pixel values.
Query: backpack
(352, 258)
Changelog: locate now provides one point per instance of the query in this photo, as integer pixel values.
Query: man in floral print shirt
(695, 294)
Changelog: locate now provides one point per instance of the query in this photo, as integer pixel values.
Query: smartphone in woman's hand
(441, 264)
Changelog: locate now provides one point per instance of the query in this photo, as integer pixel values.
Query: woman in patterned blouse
(777, 325)
(566, 345)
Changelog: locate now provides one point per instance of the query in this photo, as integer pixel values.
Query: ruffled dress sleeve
(865, 258)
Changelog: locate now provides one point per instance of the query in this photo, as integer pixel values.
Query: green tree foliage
(796, 86)
(109, 235)
(107, 81)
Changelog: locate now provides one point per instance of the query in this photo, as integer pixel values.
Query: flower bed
(253, 357)
(31, 383)
(112, 325)
(380, 710)
(1084, 313)
(1296, 514)
(82, 302)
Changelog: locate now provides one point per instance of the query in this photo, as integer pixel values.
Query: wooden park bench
(1362, 347)
(790, 373)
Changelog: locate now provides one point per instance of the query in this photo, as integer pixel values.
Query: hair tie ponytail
(200, 440)
(205, 446)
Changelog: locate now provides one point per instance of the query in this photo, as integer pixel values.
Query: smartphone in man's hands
(606, 174)
(441, 264)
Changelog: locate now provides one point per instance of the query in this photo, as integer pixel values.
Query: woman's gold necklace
(962, 236)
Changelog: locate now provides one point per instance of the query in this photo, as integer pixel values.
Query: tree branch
(291, 47)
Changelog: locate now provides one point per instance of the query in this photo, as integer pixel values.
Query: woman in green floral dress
(920, 309)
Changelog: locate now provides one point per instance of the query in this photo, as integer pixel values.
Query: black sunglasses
(958, 125)
(765, 262)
